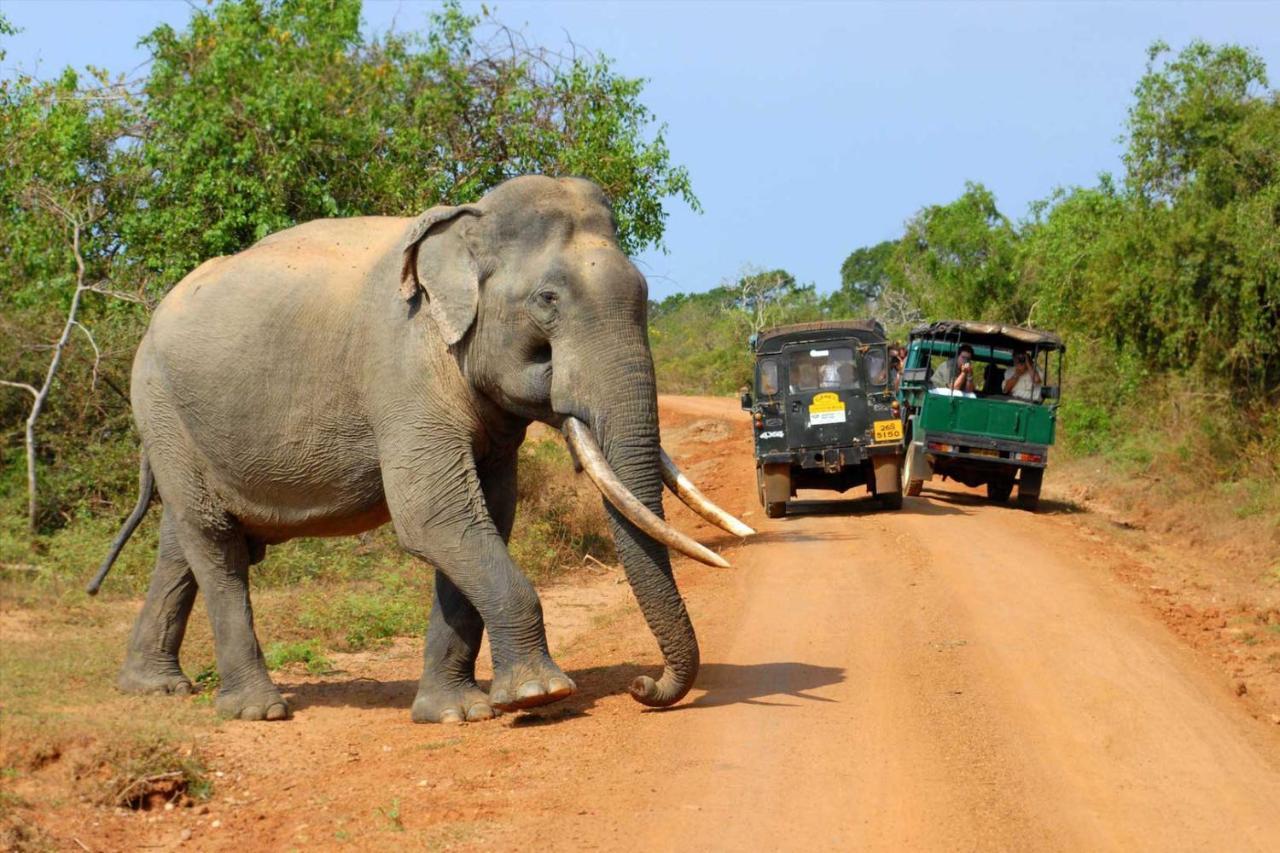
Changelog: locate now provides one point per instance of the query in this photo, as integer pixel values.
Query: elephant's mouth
(588, 455)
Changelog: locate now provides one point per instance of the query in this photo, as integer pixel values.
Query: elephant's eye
(548, 298)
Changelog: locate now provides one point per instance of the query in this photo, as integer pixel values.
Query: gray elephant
(344, 373)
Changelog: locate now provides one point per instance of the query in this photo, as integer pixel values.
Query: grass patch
(307, 653)
(392, 605)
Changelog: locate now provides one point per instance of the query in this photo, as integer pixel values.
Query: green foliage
(306, 652)
(264, 114)
(961, 260)
(699, 340)
(393, 605)
(866, 273)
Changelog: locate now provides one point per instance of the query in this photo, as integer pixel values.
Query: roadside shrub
(305, 652)
(559, 517)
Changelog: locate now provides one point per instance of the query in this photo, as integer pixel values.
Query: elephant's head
(548, 318)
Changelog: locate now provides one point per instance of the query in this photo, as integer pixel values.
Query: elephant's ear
(437, 259)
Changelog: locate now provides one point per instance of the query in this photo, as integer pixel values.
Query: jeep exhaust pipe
(584, 447)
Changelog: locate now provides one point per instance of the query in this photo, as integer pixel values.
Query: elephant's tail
(146, 491)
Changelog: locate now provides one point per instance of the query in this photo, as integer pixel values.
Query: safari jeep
(996, 428)
(823, 412)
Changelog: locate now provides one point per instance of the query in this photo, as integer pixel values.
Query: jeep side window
(768, 378)
(877, 366)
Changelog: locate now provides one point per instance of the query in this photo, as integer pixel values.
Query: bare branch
(97, 353)
(41, 395)
(30, 389)
(135, 298)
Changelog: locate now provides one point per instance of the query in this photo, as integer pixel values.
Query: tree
(866, 273)
(60, 145)
(961, 260)
(264, 113)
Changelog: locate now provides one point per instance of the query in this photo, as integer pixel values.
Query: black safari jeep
(824, 413)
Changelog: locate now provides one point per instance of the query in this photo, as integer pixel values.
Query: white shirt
(1026, 388)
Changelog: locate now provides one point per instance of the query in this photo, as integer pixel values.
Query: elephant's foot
(465, 703)
(153, 677)
(528, 684)
(255, 702)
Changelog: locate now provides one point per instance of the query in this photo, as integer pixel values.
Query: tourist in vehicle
(1022, 380)
(956, 373)
(830, 372)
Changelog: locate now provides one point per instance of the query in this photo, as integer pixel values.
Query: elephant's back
(331, 258)
(259, 356)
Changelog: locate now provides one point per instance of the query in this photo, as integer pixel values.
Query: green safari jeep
(978, 406)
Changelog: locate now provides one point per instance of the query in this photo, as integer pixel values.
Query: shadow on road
(747, 684)
(865, 506)
(724, 683)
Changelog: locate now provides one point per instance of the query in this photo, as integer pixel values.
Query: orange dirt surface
(955, 675)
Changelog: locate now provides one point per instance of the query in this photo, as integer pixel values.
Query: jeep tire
(1029, 481)
(999, 488)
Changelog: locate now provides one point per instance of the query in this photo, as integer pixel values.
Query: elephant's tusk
(684, 489)
(597, 468)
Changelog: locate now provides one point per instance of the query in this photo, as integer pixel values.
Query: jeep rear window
(815, 368)
(768, 383)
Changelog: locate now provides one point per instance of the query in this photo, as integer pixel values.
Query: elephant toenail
(278, 711)
(479, 712)
(451, 716)
(499, 698)
(182, 688)
(251, 712)
(529, 689)
(560, 686)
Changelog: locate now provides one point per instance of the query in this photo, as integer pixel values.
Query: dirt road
(951, 676)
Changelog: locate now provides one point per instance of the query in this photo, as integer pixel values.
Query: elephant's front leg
(446, 519)
(448, 692)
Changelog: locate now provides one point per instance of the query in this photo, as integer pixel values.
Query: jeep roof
(771, 341)
(990, 334)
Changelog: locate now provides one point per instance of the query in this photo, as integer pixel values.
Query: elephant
(344, 373)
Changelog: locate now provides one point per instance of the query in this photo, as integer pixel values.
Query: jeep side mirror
(1049, 392)
(746, 401)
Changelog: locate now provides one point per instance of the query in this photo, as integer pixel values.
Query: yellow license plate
(887, 430)
(982, 451)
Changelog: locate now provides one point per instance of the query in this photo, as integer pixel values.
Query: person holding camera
(956, 374)
(1022, 381)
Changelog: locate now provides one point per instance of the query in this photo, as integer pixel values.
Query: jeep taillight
(1028, 457)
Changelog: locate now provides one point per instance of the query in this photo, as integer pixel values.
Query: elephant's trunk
(626, 427)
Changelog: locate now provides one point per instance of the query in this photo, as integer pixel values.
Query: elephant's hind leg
(447, 692)
(151, 665)
(220, 560)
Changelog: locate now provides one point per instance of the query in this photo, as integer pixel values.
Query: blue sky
(809, 129)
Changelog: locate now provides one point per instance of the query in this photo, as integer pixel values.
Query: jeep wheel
(1000, 489)
(1029, 488)
(910, 485)
(776, 510)
(891, 500)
